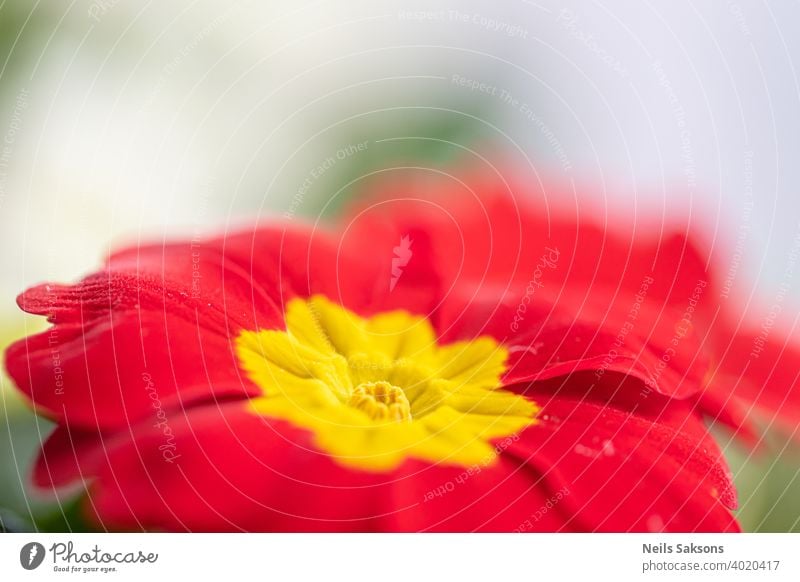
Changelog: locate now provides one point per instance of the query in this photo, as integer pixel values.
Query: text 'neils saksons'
(664, 548)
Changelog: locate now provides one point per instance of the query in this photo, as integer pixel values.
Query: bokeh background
(122, 120)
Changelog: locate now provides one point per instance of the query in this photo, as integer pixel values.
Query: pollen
(375, 391)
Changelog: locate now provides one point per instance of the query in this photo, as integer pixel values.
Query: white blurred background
(123, 120)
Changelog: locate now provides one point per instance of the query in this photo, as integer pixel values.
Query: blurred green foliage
(768, 483)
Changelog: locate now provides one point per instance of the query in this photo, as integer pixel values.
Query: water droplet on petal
(655, 523)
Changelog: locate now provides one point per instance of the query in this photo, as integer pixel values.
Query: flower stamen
(381, 401)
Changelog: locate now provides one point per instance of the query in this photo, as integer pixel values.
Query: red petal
(760, 369)
(546, 338)
(633, 295)
(153, 330)
(121, 369)
(477, 230)
(224, 468)
(632, 460)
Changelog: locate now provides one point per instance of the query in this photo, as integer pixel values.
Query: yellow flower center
(376, 391)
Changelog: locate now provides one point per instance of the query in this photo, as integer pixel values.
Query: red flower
(438, 362)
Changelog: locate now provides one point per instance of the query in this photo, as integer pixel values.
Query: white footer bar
(401, 557)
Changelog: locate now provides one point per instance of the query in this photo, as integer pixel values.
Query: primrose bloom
(441, 359)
